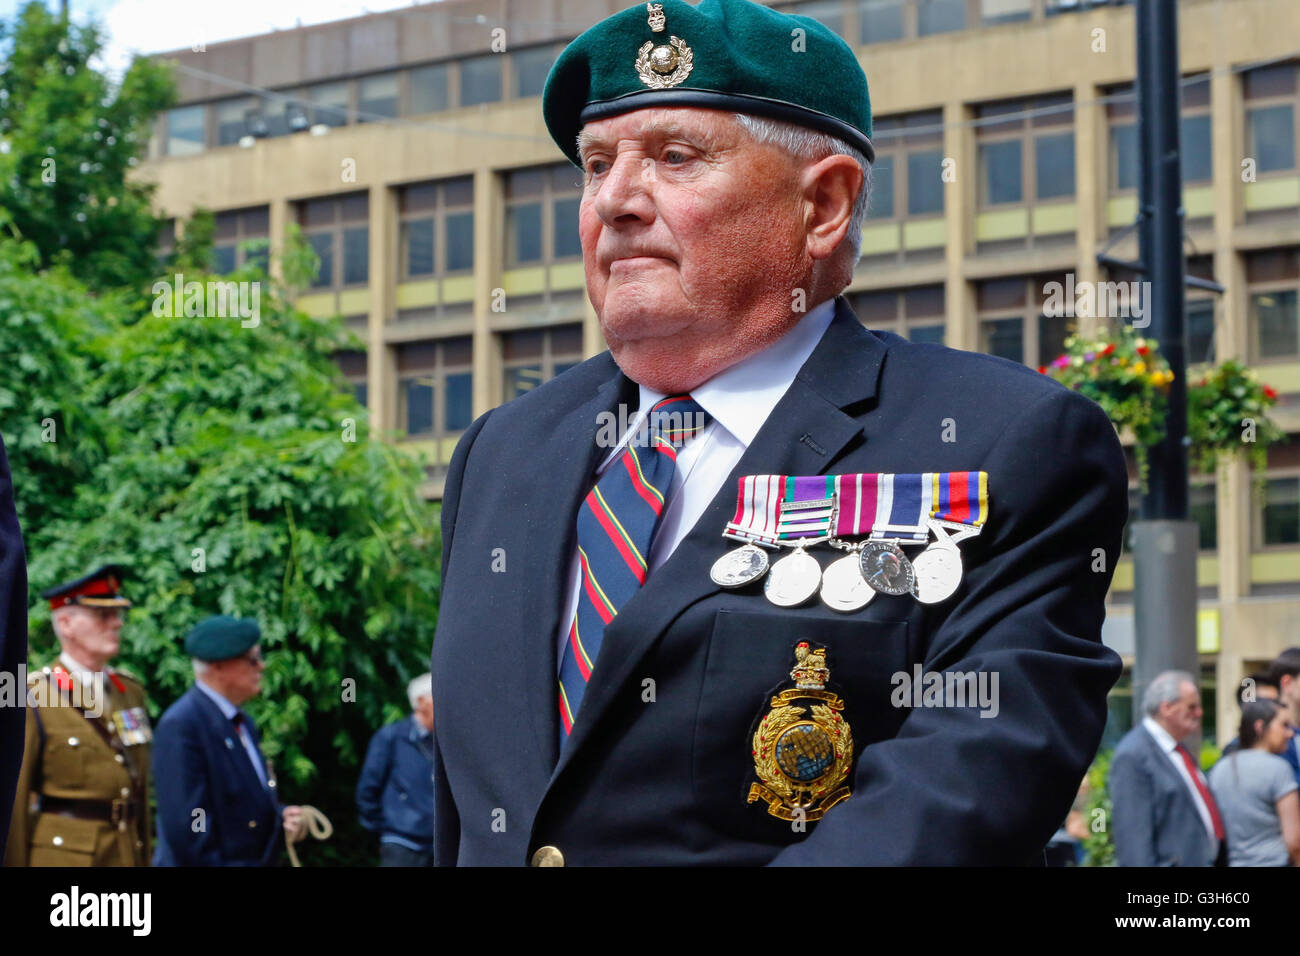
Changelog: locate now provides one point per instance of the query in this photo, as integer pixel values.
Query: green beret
(723, 54)
(221, 638)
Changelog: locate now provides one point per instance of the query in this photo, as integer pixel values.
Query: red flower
(1108, 349)
(1143, 350)
(1042, 369)
(1270, 393)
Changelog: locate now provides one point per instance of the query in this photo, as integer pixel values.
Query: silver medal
(737, 568)
(938, 572)
(886, 568)
(793, 579)
(843, 587)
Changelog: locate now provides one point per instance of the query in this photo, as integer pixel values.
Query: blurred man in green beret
(217, 800)
(637, 689)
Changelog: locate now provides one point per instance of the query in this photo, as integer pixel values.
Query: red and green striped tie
(616, 524)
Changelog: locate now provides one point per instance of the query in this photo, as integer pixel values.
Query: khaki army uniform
(82, 797)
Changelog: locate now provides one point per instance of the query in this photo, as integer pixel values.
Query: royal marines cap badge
(667, 64)
(803, 747)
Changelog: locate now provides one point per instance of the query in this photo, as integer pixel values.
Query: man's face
(242, 676)
(91, 634)
(1182, 718)
(1290, 691)
(692, 241)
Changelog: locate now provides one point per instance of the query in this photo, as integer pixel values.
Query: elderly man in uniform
(635, 688)
(83, 791)
(217, 802)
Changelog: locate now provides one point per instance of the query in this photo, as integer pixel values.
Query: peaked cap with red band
(99, 588)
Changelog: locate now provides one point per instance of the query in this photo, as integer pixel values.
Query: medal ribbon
(806, 507)
(757, 506)
(960, 496)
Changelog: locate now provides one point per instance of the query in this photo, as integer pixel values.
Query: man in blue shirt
(395, 793)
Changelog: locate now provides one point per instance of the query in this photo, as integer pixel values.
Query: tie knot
(677, 419)
(237, 719)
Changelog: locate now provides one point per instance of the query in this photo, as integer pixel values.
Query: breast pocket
(749, 659)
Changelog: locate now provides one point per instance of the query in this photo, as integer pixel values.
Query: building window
(1004, 11)
(542, 215)
(1201, 508)
(916, 313)
(1280, 515)
(185, 130)
(1027, 154)
(1194, 135)
(1011, 321)
(940, 16)
(437, 228)
(880, 21)
(534, 356)
(1270, 94)
(231, 117)
(429, 89)
(241, 236)
(907, 178)
(377, 97)
(1273, 280)
(353, 366)
(530, 68)
(828, 12)
(330, 103)
(339, 231)
(435, 387)
(480, 80)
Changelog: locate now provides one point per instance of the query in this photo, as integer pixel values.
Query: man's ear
(830, 189)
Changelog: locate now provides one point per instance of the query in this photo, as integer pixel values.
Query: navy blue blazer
(13, 644)
(665, 781)
(395, 792)
(199, 763)
(1154, 820)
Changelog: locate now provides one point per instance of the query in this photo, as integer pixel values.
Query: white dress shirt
(740, 399)
(245, 737)
(1170, 746)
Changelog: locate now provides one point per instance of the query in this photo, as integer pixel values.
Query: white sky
(151, 26)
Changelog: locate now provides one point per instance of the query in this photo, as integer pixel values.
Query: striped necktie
(616, 524)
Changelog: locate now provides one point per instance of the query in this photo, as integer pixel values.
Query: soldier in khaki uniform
(83, 791)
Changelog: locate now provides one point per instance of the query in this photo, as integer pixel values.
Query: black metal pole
(1164, 542)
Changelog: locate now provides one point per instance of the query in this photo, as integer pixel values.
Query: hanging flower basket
(1227, 414)
(1124, 374)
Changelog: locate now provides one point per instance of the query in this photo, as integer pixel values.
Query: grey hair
(422, 686)
(200, 667)
(813, 146)
(1165, 688)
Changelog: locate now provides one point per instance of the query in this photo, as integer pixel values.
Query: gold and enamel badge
(665, 65)
(802, 753)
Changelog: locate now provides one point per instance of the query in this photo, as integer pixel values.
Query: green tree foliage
(67, 139)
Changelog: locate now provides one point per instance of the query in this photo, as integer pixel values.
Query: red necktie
(1204, 791)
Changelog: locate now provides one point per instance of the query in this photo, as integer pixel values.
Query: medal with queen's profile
(739, 567)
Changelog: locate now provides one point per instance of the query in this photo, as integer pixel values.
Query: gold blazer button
(548, 856)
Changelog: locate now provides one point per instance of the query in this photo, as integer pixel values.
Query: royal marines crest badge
(803, 746)
(664, 65)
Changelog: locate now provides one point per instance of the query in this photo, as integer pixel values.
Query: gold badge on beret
(803, 746)
(665, 65)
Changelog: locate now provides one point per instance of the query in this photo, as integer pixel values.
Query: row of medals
(873, 567)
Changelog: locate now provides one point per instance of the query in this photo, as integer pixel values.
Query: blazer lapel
(553, 535)
(804, 435)
(1167, 769)
(228, 736)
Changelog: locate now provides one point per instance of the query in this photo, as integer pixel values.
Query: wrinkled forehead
(706, 128)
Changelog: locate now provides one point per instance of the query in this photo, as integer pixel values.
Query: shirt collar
(418, 731)
(741, 398)
(1162, 736)
(227, 708)
(77, 669)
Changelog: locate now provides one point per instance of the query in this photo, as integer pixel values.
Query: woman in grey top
(1256, 791)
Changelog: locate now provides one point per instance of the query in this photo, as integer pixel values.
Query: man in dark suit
(602, 697)
(13, 646)
(217, 802)
(1164, 813)
(395, 792)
